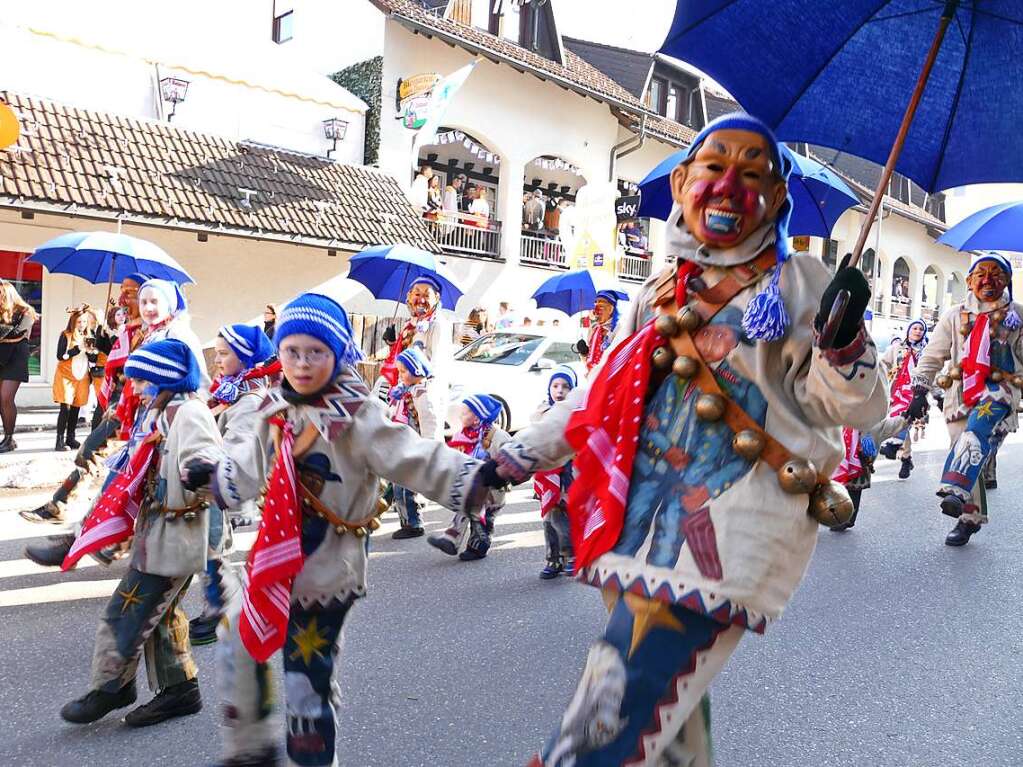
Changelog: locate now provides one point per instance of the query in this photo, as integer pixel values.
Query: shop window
(28, 281)
(284, 22)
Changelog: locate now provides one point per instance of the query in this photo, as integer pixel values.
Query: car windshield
(500, 349)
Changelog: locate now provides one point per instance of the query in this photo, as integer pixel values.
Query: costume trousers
(144, 615)
(311, 694)
(642, 698)
(974, 440)
(556, 535)
(408, 507)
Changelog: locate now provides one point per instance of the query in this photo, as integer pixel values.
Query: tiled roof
(76, 157)
(628, 68)
(576, 71)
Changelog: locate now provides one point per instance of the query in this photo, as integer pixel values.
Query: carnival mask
(987, 281)
(421, 300)
(602, 310)
(728, 188)
(129, 297)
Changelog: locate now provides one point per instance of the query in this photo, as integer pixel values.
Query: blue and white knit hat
(1012, 319)
(484, 407)
(766, 318)
(910, 326)
(564, 373)
(168, 364)
(171, 291)
(322, 318)
(427, 279)
(416, 363)
(249, 344)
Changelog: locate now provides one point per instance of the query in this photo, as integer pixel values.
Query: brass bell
(685, 367)
(1017, 381)
(360, 532)
(998, 316)
(662, 358)
(340, 530)
(667, 325)
(689, 319)
(710, 407)
(955, 373)
(170, 516)
(797, 476)
(189, 516)
(943, 382)
(374, 524)
(382, 506)
(831, 505)
(997, 376)
(749, 444)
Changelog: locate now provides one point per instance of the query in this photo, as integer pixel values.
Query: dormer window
(676, 100)
(284, 20)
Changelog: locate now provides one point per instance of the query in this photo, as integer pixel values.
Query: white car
(512, 366)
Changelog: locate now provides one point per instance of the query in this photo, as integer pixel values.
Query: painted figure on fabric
(703, 449)
(981, 339)
(899, 363)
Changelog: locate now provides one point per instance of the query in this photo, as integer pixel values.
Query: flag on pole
(440, 99)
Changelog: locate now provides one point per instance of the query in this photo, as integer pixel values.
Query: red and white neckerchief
(976, 361)
(470, 441)
(112, 519)
(275, 558)
(547, 485)
(116, 358)
(231, 387)
(902, 386)
(851, 466)
(600, 336)
(605, 438)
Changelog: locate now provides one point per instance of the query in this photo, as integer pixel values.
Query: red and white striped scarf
(112, 519)
(976, 361)
(902, 386)
(547, 485)
(605, 439)
(275, 558)
(851, 466)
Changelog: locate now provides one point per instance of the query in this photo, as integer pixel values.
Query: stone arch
(955, 289)
(933, 292)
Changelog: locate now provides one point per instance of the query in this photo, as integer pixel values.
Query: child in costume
(243, 359)
(704, 448)
(551, 487)
(411, 405)
(322, 443)
(479, 438)
(855, 470)
(981, 337)
(899, 363)
(170, 525)
(604, 323)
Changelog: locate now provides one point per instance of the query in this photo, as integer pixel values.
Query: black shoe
(8, 445)
(51, 552)
(990, 484)
(472, 554)
(952, 505)
(60, 447)
(443, 543)
(961, 533)
(267, 758)
(841, 528)
(48, 512)
(552, 570)
(203, 630)
(180, 700)
(408, 532)
(96, 704)
(889, 450)
(72, 443)
(907, 467)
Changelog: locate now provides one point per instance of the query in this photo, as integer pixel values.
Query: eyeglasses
(308, 356)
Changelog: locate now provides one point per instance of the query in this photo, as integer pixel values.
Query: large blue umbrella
(571, 292)
(819, 196)
(999, 227)
(107, 257)
(388, 272)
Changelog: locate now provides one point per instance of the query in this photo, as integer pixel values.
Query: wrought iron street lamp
(334, 129)
(173, 90)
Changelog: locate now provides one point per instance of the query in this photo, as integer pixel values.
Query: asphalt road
(896, 652)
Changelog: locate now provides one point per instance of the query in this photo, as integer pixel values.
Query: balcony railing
(542, 251)
(930, 314)
(634, 268)
(901, 308)
(469, 236)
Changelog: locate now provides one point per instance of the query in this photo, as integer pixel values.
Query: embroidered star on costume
(309, 641)
(984, 411)
(130, 598)
(647, 615)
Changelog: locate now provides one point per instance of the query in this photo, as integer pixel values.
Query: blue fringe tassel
(1012, 320)
(766, 318)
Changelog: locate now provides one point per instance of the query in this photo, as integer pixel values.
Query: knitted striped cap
(249, 343)
(315, 315)
(564, 373)
(416, 363)
(484, 407)
(168, 364)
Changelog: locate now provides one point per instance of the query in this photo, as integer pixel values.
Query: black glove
(581, 347)
(490, 477)
(197, 474)
(390, 335)
(919, 406)
(851, 279)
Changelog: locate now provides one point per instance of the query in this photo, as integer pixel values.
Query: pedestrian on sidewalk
(16, 321)
(71, 379)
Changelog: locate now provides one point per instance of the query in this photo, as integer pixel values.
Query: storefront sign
(627, 207)
(414, 99)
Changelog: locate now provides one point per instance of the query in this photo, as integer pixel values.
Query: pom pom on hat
(171, 291)
(168, 364)
(322, 318)
(484, 407)
(416, 363)
(249, 344)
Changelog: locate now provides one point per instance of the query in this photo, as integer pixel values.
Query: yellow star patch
(130, 598)
(309, 641)
(647, 615)
(984, 411)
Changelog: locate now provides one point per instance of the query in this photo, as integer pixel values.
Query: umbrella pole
(842, 299)
(110, 280)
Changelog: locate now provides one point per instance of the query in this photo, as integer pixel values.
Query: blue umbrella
(999, 227)
(107, 257)
(571, 292)
(819, 196)
(388, 272)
